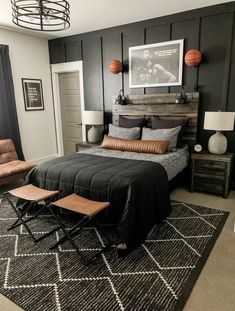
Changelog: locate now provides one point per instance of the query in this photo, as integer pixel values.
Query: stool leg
(19, 216)
(66, 233)
(68, 236)
(47, 203)
(72, 231)
(16, 224)
(47, 234)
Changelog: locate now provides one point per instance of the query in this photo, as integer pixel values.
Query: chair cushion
(7, 151)
(15, 167)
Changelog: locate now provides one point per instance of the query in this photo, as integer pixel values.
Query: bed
(136, 184)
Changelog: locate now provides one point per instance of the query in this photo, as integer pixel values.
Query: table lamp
(218, 121)
(93, 118)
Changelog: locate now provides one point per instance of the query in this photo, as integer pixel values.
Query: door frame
(55, 70)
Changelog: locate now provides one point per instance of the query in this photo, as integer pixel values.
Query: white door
(70, 106)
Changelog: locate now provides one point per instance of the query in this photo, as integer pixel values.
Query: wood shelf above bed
(162, 105)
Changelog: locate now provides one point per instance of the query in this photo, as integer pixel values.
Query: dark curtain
(9, 127)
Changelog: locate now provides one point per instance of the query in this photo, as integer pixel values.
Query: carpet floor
(159, 275)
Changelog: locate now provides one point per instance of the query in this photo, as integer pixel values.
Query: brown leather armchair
(11, 168)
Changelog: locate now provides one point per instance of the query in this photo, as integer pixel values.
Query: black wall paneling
(131, 38)
(189, 31)
(210, 29)
(228, 65)
(73, 51)
(112, 82)
(213, 45)
(57, 53)
(92, 74)
(231, 88)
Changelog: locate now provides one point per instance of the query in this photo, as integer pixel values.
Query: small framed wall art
(158, 64)
(33, 95)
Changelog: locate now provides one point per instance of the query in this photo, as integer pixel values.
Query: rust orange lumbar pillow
(143, 146)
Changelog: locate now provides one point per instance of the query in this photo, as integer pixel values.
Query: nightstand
(211, 173)
(85, 145)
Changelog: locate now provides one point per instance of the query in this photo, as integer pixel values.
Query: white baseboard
(44, 159)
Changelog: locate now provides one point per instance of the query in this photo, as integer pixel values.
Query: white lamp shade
(93, 117)
(219, 121)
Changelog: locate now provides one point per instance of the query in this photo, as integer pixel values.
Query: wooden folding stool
(31, 196)
(89, 209)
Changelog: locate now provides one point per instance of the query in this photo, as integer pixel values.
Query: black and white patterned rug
(159, 275)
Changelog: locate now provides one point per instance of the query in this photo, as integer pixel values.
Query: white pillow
(122, 132)
(163, 134)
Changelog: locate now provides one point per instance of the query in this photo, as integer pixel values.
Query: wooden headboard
(162, 105)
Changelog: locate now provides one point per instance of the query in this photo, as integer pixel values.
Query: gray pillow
(163, 134)
(129, 122)
(122, 132)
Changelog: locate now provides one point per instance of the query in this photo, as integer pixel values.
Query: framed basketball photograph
(33, 95)
(158, 64)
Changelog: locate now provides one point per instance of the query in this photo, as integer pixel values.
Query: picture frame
(33, 94)
(156, 65)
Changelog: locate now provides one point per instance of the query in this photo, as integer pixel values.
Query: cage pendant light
(41, 15)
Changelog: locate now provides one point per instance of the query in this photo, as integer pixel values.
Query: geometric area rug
(159, 275)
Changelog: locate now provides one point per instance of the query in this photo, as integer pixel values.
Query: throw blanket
(137, 190)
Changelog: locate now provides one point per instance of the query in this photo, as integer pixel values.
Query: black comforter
(137, 190)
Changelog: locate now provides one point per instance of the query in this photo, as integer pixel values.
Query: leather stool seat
(32, 193)
(81, 205)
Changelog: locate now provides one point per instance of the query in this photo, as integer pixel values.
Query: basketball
(193, 58)
(115, 66)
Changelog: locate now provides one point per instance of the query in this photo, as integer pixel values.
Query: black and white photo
(158, 64)
(33, 96)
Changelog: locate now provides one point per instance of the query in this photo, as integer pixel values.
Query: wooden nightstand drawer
(208, 185)
(211, 173)
(210, 168)
(210, 165)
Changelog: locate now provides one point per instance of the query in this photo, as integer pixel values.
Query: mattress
(137, 190)
(174, 161)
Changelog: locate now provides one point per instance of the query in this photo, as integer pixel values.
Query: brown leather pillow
(143, 146)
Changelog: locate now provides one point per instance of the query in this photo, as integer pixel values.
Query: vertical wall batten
(122, 61)
(224, 104)
(102, 70)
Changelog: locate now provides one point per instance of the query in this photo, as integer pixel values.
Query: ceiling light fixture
(41, 15)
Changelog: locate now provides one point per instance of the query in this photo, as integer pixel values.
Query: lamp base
(217, 143)
(93, 135)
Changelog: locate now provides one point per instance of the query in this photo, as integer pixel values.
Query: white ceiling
(88, 15)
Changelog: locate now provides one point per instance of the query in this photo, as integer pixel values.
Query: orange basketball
(115, 66)
(193, 58)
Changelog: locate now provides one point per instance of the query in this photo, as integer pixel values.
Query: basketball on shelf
(193, 58)
(115, 66)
